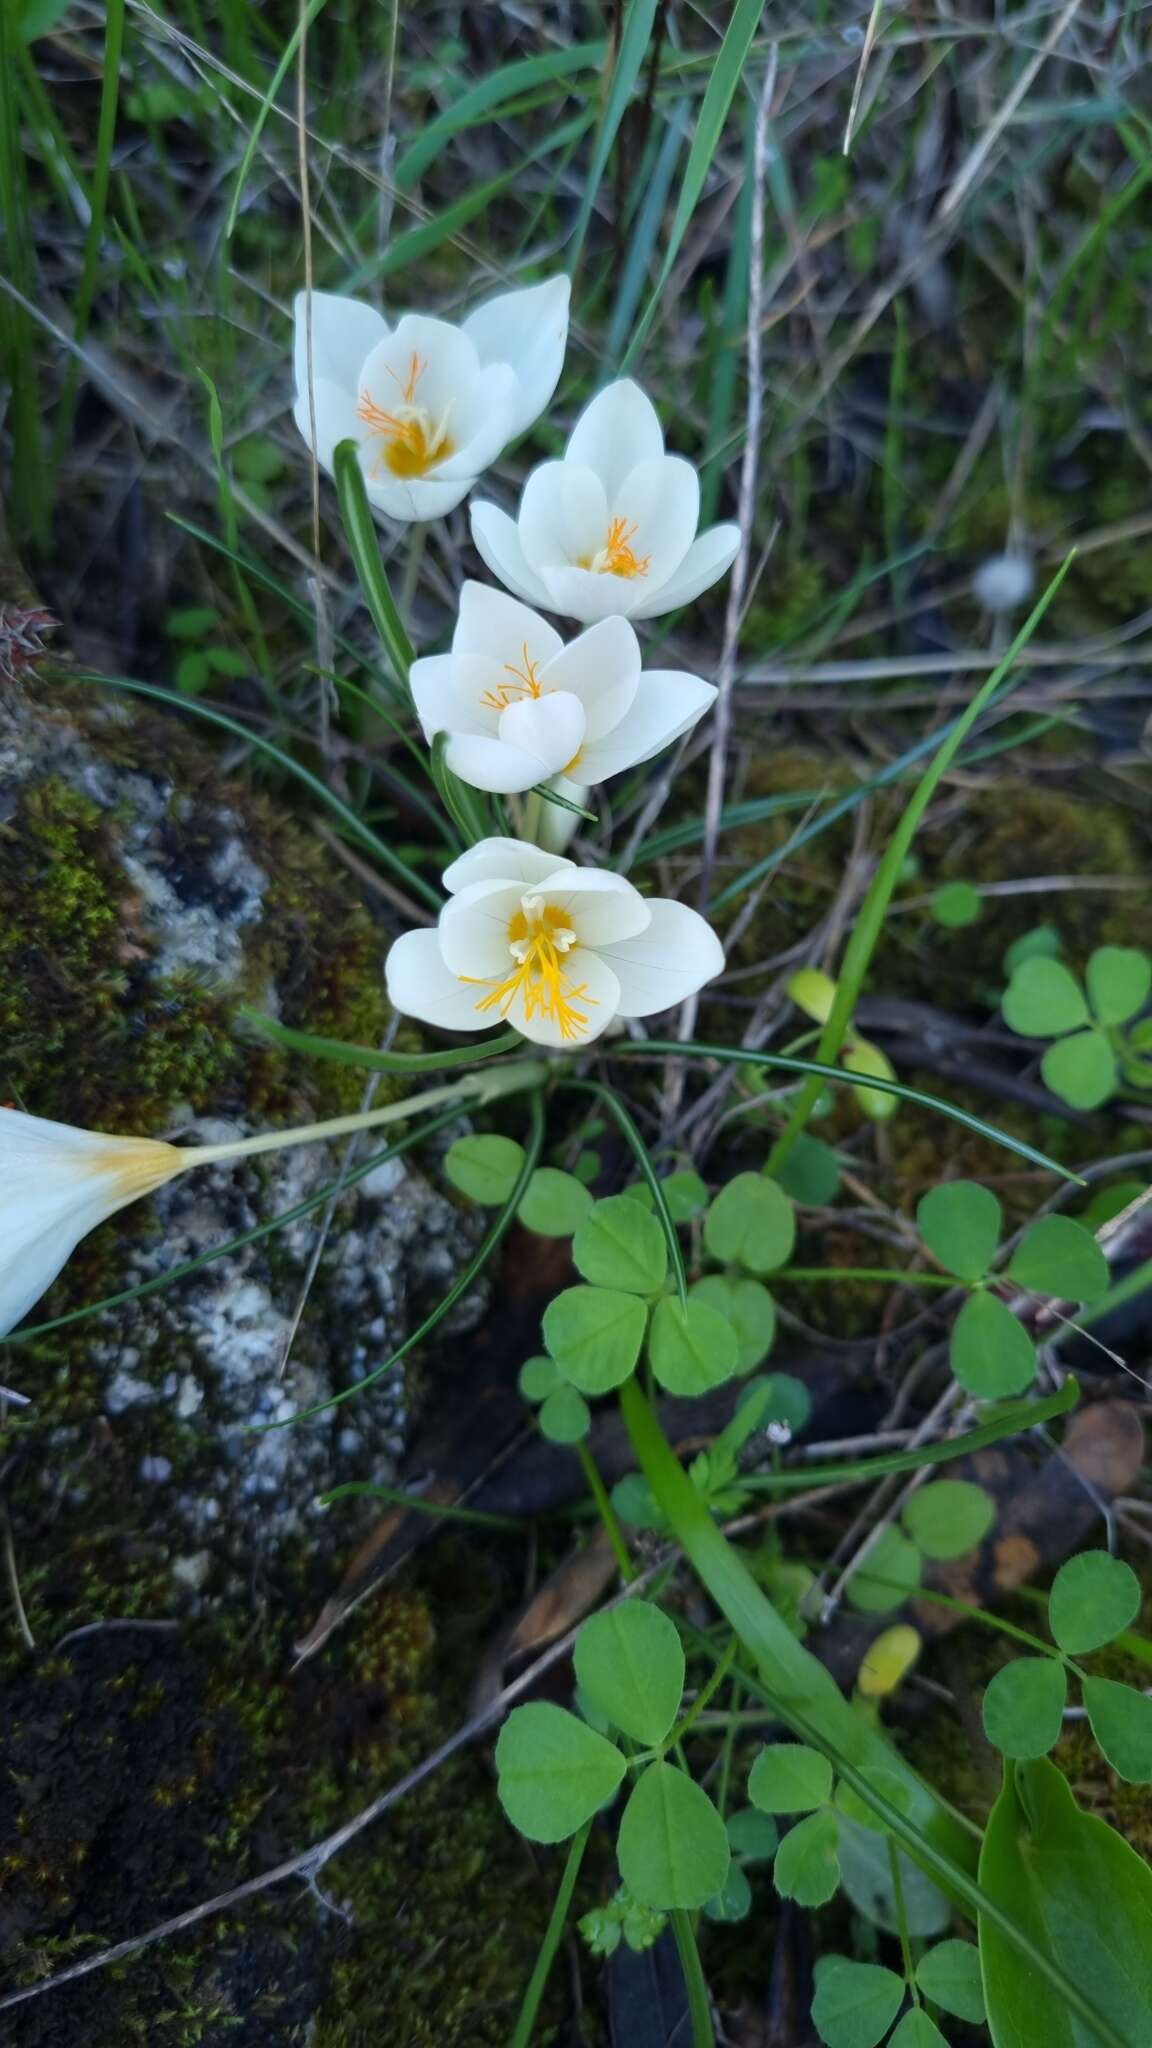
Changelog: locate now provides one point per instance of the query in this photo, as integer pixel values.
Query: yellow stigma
(525, 683)
(539, 937)
(617, 557)
(412, 441)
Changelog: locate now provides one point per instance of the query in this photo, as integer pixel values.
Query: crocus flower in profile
(529, 939)
(520, 707)
(611, 527)
(430, 403)
(58, 1182)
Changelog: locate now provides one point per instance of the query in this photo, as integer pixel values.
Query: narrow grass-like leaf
(303, 24)
(634, 40)
(364, 542)
(491, 92)
(367, 1056)
(1013, 1418)
(726, 73)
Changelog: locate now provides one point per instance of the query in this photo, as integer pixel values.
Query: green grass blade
(1019, 1416)
(723, 81)
(489, 94)
(870, 919)
(818, 1070)
(264, 109)
(634, 40)
(364, 544)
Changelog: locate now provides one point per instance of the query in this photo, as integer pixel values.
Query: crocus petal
(591, 993)
(660, 505)
(491, 623)
(616, 431)
(667, 705)
(336, 419)
(676, 955)
(58, 1183)
(423, 362)
(550, 728)
(497, 542)
(409, 498)
(473, 929)
(563, 515)
(501, 860)
(586, 595)
(480, 422)
(603, 907)
(431, 681)
(420, 985)
(485, 762)
(528, 329)
(602, 668)
(707, 559)
(344, 332)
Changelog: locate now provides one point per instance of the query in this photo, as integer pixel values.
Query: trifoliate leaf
(564, 1417)
(595, 1335)
(1024, 1707)
(991, 1353)
(949, 1975)
(751, 1223)
(960, 1222)
(948, 1517)
(1058, 1256)
(554, 1203)
(855, 2003)
(484, 1168)
(1094, 1598)
(690, 1346)
(1081, 1070)
(553, 1772)
(1119, 981)
(630, 1663)
(672, 1848)
(1121, 1721)
(1043, 999)
(788, 1777)
(807, 1866)
(619, 1245)
(748, 1307)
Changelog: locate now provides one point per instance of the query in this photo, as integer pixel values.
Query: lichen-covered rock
(145, 898)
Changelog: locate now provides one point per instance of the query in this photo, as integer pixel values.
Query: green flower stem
(363, 539)
(707, 1692)
(902, 1920)
(607, 1512)
(699, 2003)
(530, 2005)
(367, 1055)
(803, 1690)
(870, 921)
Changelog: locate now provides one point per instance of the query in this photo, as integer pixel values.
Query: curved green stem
(699, 2003)
(530, 2005)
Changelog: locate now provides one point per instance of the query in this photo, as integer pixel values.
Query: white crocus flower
(558, 951)
(430, 403)
(612, 527)
(520, 707)
(58, 1182)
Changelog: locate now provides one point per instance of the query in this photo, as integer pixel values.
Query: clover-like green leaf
(691, 1347)
(788, 1777)
(860, 1056)
(751, 1223)
(595, 1335)
(917, 2030)
(564, 1417)
(811, 1172)
(991, 1353)
(1081, 1070)
(733, 1902)
(620, 1245)
(949, 1517)
(855, 2003)
(960, 1222)
(1119, 982)
(949, 1975)
(672, 1848)
(1094, 1598)
(630, 1663)
(748, 1307)
(886, 1576)
(752, 1836)
(539, 1377)
(685, 1193)
(553, 1771)
(554, 1203)
(1043, 999)
(1058, 1256)
(1121, 1720)
(484, 1168)
(1043, 942)
(890, 1786)
(1023, 1707)
(956, 904)
(807, 1866)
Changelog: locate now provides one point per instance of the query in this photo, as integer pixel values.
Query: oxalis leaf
(692, 1348)
(673, 1847)
(1083, 1897)
(991, 1353)
(594, 1334)
(630, 1663)
(855, 2003)
(1023, 1706)
(620, 1245)
(751, 1223)
(1094, 1597)
(553, 1771)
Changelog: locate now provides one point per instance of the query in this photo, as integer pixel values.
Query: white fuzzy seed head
(1003, 582)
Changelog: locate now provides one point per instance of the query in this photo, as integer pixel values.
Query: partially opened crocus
(429, 403)
(612, 527)
(57, 1182)
(520, 707)
(529, 939)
